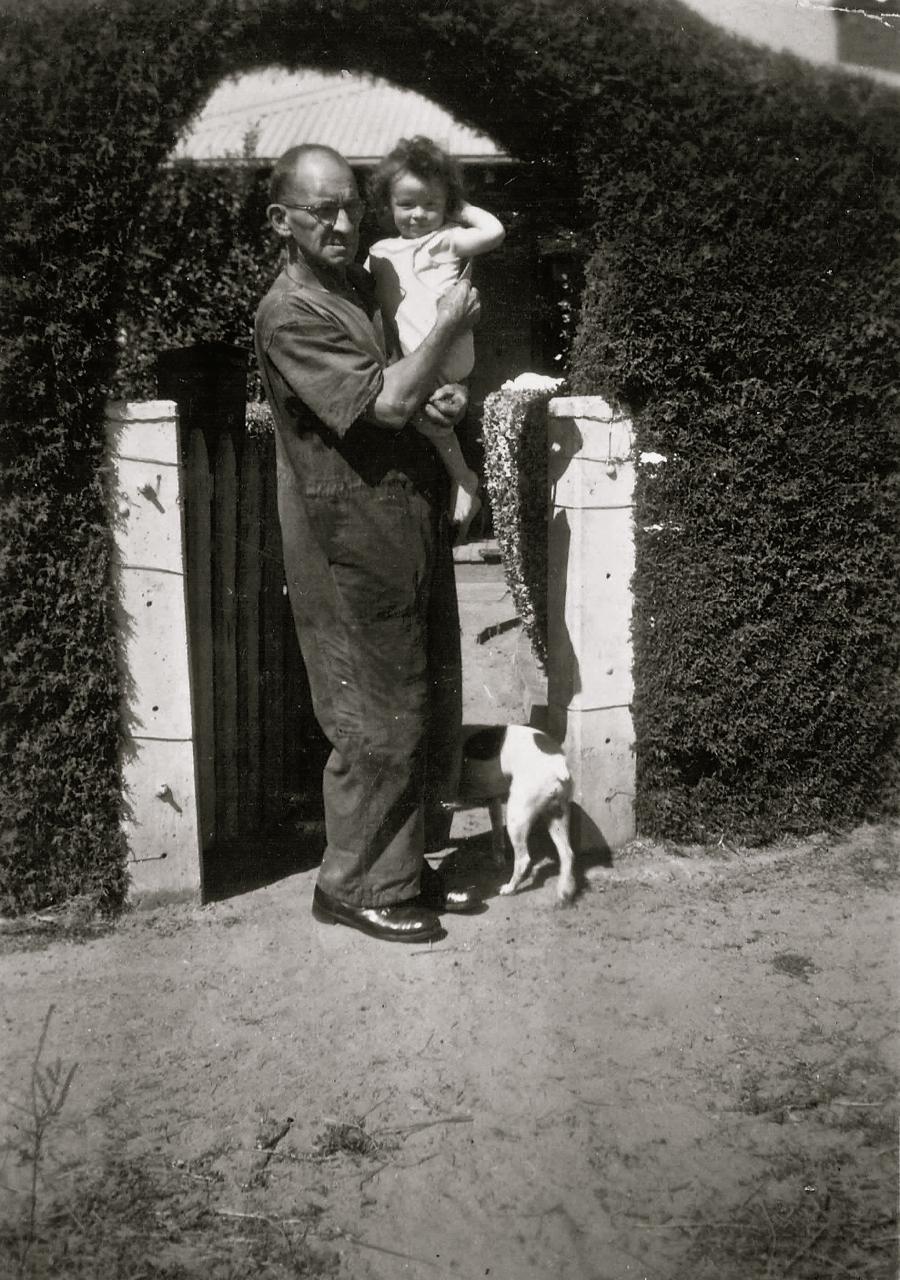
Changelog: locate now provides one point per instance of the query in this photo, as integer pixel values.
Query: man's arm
(409, 383)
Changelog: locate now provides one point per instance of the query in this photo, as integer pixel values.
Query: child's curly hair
(422, 158)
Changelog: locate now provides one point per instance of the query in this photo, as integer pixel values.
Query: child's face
(418, 205)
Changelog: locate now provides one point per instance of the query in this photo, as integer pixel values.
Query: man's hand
(459, 308)
(446, 406)
(408, 380)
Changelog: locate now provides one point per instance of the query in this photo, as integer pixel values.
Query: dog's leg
(498, 832)
(559, 834)
(518, 825)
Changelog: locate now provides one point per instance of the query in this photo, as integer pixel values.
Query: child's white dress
(410, 276)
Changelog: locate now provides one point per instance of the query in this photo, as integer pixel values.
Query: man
(366, 552)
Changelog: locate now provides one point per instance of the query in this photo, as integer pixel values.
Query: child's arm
(464, 500)
(478, 233)
(447, 444)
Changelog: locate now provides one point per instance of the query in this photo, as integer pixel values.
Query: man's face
(320, 181)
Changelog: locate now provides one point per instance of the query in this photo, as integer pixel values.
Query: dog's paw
(565, 895)
(509, 887)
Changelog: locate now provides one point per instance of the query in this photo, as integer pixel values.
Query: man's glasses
(328, 211)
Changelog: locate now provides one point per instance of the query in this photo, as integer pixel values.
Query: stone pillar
(590, 566)
(157, 727)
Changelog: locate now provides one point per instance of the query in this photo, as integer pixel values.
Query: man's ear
(278, 220)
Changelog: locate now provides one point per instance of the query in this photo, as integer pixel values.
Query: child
(418, 188)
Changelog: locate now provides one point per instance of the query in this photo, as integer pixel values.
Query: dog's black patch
(484, 744)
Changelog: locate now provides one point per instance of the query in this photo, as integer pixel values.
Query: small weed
(48, 1089)
(78, 920)
(270, 1132)
(131, 1220)
(809, 1226)
(346, 1137)
(794, 965)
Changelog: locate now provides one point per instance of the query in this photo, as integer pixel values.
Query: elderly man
(366, 552)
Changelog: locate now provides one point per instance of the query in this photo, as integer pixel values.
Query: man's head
(325, 232)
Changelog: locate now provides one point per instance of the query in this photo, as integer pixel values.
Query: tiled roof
(359, 116)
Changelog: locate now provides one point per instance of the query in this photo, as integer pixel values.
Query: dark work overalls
(367, 554)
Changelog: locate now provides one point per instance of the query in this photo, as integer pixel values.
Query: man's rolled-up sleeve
(334, 377)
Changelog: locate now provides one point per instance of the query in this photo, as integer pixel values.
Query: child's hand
(447, 405)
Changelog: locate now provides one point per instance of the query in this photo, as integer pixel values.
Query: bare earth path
(691, 1074)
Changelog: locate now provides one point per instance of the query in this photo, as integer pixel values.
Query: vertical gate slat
(248, 649)
(291, 728)
(198, 540)
(225, 634)
(272, 601)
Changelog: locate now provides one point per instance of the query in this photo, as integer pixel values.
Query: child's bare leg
(464, 501)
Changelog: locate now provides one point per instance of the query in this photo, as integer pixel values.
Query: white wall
(807, 28)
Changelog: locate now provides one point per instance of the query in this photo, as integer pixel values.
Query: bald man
(367, 552)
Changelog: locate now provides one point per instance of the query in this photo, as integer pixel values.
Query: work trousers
(372, 589)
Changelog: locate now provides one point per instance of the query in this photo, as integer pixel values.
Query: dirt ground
(688, 1075)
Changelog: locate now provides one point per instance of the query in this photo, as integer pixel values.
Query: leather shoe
(403, 922)
(437, 895)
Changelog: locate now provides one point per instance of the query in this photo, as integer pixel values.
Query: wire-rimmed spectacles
(328, 211)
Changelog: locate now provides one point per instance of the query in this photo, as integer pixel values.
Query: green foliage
(204, 256)
(515, 467)
(742, 302)
(92, 99)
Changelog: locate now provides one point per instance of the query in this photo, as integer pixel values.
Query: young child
(418, 188)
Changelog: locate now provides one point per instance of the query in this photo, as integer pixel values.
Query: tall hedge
(638, 96)
(202, 259)
(85, 130)
(742, 301)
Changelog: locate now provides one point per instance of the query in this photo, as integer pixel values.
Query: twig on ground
(788, 1268)
(427, 1124)
(773, 1235)
(398, 1168)
(274, 1221)
(437, 951)
(833, 1262)
(836, 1102)
(679, 1224)
(263, 1217)
(380, 1248)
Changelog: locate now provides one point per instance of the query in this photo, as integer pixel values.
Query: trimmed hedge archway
(739, 300)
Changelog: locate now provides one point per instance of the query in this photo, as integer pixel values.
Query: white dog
(528, 770)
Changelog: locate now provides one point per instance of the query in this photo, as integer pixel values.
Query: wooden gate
(259, 752)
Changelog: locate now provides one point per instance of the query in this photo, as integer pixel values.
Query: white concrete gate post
(158, 772)
(590, 565)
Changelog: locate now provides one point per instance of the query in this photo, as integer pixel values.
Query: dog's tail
(563, 789)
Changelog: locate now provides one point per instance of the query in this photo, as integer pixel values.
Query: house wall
(863, 36)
